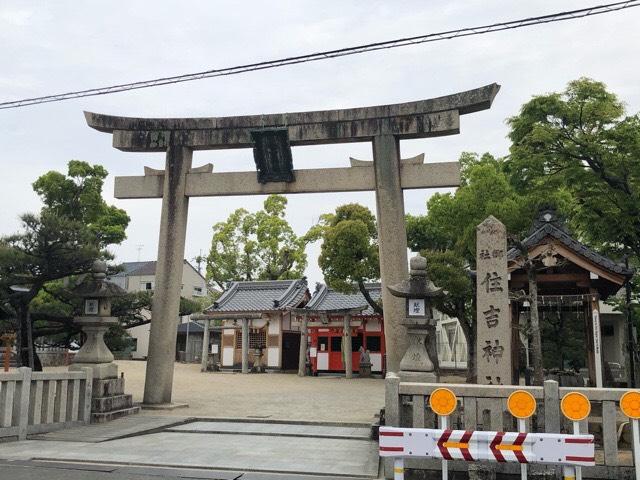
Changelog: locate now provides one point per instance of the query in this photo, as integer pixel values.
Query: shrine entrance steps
(183, 447)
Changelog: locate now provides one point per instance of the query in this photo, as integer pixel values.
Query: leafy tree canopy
(78, 196)
(451, 219)
(580, 141)
(256, 246)
(74, 227)
(349, 251)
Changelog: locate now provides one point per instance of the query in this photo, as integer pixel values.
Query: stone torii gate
(271, 137)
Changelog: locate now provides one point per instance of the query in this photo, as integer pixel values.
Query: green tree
(49, 248)
(78, 196)
(581, 141)
(446, 235)
(349, 251)
(256, 246)
(74, 228)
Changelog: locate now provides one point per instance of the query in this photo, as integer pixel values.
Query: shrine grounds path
(272, 396)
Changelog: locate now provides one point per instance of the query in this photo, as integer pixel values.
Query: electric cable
(264, 65)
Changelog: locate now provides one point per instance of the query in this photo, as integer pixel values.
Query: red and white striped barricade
(472, 446)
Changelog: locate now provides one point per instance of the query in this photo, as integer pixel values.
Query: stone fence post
(391, 412)
(551, 407)
(21, 404)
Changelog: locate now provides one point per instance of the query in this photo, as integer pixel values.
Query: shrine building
(327, 314)
(573, 281)
(262, 310)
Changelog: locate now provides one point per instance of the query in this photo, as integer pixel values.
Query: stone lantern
(96, 292)
(418, 290)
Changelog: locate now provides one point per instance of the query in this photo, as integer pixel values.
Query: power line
(402, 42)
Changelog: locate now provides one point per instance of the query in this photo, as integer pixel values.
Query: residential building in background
(141, 276)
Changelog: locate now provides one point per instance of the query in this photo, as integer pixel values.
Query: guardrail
(483, 407)
(38, 402)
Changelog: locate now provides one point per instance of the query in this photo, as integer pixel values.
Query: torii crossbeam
(271, 137)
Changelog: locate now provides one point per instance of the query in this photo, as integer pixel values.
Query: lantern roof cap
(96, 285)
(419, 285)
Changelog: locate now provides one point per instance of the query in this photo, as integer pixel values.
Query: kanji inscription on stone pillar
(493, 351)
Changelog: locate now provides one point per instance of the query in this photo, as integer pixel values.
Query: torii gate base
(384, 125)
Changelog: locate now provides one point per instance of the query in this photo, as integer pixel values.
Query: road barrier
(481, 413)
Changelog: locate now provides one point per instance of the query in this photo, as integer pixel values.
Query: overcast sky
(51, 47)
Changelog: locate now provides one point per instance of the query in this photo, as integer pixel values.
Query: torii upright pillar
(271, 137)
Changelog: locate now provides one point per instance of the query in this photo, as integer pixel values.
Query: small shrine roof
(326, 299)
(261, 296)
(549, 225)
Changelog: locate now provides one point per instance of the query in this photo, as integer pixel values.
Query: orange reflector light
(630, 404)
(575, 406)
(521, 404)
(443, 401)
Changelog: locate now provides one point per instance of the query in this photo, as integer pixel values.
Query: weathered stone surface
(493, 317)
(349, 179)
(432, 117)
(108, 387)
(166, 298)
(97, 417)
(108, 404)
(392, 243)
(100, 370)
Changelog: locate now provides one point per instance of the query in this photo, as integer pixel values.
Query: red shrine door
(327, 343)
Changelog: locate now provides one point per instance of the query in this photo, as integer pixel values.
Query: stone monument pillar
(493, 347)
(108, 398)
(418, 290)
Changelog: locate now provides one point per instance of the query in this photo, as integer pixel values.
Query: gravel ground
(267, 395)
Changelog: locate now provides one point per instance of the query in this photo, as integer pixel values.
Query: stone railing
(483, 407)
(38, 402)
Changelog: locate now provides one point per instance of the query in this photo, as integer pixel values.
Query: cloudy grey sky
(50, 47)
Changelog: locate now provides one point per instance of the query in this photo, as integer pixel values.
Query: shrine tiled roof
(326, 299)
(549, 226)
(261, 296)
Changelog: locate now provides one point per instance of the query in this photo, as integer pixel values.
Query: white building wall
(193, 286)
(141, 334)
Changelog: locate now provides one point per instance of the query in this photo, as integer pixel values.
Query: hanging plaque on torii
(271, 138)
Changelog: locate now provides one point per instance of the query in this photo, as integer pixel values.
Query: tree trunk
(365, 293)
(25, 346)
(536, 335)
(469, 332)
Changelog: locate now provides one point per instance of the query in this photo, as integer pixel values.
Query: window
(336, 344)
(356, 343)
(257, 338)
(197, 291)
(373, 343)
(146, 285)
(323, 344)
(134, 344)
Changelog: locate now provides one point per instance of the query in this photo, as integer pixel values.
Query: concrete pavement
(223, 448)
(66, 471)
